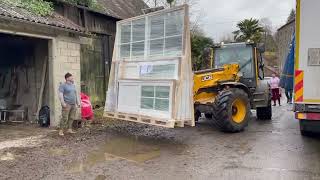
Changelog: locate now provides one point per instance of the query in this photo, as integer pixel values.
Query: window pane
(138, 49)
(156, 47)
(162, 91)
(147, 91)
(125, 51)
(138, 30)
(161, 104)
(166, 71)
(125, 33)
(156, 27)
(147, 103)
(174, 23)
(173, 46)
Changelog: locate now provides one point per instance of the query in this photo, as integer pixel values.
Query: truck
(307, 67)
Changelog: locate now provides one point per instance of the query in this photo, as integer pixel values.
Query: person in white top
(275, 89)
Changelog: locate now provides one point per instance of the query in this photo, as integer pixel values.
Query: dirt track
(117, 150)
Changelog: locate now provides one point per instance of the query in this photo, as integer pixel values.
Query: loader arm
(205, 81)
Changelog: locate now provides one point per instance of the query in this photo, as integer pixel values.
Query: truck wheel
(231, 110)
(264, 113)
(303, 132)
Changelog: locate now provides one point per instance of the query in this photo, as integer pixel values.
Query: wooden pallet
(140, 119)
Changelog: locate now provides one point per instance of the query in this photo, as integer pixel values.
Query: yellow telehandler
(232, 86)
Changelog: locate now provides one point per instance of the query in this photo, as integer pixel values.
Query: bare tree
(169, 3)
(269, 35)
(267, 25)
(227, 38)
(292, 15)
(196, 15)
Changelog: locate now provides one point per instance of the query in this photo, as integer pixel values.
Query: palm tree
(249, 29)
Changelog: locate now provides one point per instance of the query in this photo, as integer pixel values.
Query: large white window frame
(136, 67)
(149, 112)
(147, 38)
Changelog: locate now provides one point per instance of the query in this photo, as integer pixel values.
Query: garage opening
(23, 78)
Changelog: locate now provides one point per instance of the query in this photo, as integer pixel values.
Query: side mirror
(261, 47)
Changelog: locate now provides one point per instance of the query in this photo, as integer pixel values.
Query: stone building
(37, 51)
(284, 37)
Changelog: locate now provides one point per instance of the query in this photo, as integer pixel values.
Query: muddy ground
(119, 150)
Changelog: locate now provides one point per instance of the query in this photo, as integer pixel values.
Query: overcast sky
(219, 17)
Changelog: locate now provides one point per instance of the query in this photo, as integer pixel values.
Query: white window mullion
(154, 97)
(146, 38)
(131, 39)
(164, 35)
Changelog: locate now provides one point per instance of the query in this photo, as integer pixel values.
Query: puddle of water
(115, 148)
(7, 157)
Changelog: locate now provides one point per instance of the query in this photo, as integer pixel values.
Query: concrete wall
(284, 37)
(64, 57)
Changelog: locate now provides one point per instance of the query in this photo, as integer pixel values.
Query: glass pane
(147, 91)
(162, 91)
(174, 23)
(156, 27)
(167, 71)
(161, 104)
(236, 54)
(138, 30)
(173, 46)
(138, 49)
(125, 33)
(147, 103)
(156, 47)
(125, 51)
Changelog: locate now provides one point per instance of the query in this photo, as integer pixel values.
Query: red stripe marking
(313, 116)
(298, 72)
(300, 99)
(298, 86)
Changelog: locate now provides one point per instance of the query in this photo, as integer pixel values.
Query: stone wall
(65, 58)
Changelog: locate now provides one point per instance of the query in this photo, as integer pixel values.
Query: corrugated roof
(56, 20)
(120, 9)
(123, 9)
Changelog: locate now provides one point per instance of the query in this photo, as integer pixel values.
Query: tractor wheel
(264, 113)
(231, 110)
(208, 116)
(197, 115)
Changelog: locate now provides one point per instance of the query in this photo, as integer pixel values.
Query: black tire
(197, 116)
(304, 132)
(208, 116)
(223, 110)
(264, 113)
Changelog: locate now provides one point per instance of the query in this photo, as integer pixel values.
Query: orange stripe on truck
(298, 86)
